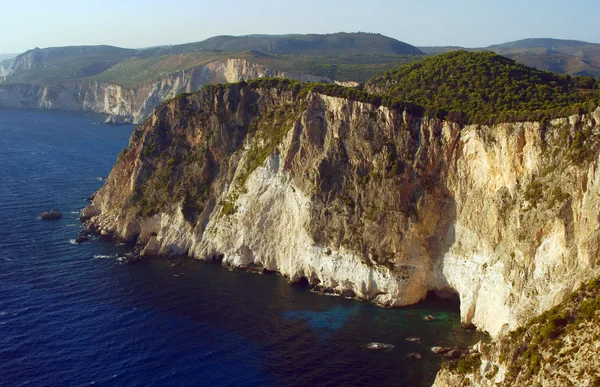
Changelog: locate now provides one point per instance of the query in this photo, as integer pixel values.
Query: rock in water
(152, 248)
(414, 356)
(453, 354)
(52, 215)
(377, 346)
(414, 339)
(479, 347)
(84, 235)
(429, 318)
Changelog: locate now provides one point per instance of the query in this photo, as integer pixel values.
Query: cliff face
(557, 348)
(127, 105)
(365, 201)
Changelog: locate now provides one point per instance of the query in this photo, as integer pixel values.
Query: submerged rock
(82, 239)
(84, 235)
(414, 339)
(51, 215)
(414, 356)
(378, 346)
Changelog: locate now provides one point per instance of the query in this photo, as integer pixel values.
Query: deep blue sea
(73, 315)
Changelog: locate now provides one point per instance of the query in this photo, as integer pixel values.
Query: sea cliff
(124, 105)
(365, 200)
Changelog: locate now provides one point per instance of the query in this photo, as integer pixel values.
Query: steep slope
(328, 186)
(133, 105)
(485, 87)
(557, 348)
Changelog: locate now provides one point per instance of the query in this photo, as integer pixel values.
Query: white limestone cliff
(482, 229)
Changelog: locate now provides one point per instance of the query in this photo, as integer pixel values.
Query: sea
(78, 315)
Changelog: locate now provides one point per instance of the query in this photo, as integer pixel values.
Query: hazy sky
(36, 23)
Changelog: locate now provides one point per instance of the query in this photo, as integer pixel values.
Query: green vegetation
(270, 128)
(228, 208)
(312, 44)
(301, 89)
(534, 193)
(341, 56)
(557, 196)
(122, 154)
(546, 331)
(581, 150)
(488, 88)
(344, 67)
(466, 365)
(136, 71)
(65, 63)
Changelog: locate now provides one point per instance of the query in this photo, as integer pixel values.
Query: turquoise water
(73, 315)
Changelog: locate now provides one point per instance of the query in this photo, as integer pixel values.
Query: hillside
(557, 348)
(341, 56)
(563, 56)
(3, 57)
(571, 57)
(485, 87)
(547, 43)
(66, 63)
(313, 44)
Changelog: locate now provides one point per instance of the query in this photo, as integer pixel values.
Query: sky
(136, 24)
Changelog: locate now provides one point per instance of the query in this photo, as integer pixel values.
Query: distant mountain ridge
(127, 83)
(280, 52)
(573, 57)
(7, 56)
(547, 43)
(339, 43)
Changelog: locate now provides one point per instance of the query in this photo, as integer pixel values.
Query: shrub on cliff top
(483, 86)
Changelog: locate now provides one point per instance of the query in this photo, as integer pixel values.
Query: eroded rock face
(364, 200)
(557, 348)
(129, 105)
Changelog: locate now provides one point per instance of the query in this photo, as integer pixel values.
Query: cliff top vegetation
(480, 86)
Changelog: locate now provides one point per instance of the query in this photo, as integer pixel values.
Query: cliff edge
(364, 200)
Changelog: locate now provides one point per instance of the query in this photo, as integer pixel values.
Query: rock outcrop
(365, 200)
(558, 348)
(51, 215)
(123, 105)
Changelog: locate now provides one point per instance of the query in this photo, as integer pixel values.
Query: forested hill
(484, 86)
(312, 44)
(339, 56)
